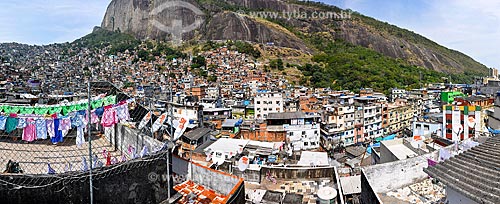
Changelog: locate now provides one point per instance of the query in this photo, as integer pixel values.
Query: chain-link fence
(45, 149)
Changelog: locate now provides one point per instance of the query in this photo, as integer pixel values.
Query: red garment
(108, 159)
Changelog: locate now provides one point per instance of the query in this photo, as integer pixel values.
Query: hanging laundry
(81, 124)
(50, 128)
(82, 106)
(431, 162)
(109, 118)
(41, 110)
(14, 109)
(26, 110)
(124, 158)
(96, 103)
(55, 109)
(50, 169)
(96, 162)
(108, 159)
(132, 151)
(41, 129)
(11, 123)
(3, 120)
(108, 100)
(22, 123)
(85, 166)
(114, 160)
(122, 112)
(29, 132)
(145, 151)
(99, 111)
(68, 167)
(65, 125)
(68, 109)
(58, 137)
(444, 154)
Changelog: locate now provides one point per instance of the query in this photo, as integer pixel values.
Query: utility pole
(171, 110)
(90, 142)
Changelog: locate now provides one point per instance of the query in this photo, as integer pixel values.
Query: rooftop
(195, 193)
(197, 133)
(398, 149)
(350, 185)
(473, 173)
(289, 115)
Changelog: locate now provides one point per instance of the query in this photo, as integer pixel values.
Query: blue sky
(472, 27)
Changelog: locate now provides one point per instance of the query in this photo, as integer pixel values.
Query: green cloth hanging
(11, 124)
(83, 106)
(97, 103)
(15, 109)
(6, 109)
(109, 100)
(68, 109)
(26, 110)
(53, 110)
(1, 108)
(41, 110)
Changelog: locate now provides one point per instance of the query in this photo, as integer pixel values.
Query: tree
(198, 61)
(276, 64)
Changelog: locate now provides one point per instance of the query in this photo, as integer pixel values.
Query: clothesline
(57, 126)
(65, 108)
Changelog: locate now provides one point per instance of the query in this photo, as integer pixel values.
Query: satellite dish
(218, 157)
(471, 121)
(243, 163)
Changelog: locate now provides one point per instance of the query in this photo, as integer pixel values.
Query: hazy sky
(472, 27)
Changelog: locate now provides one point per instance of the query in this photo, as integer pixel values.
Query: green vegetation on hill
(101, 38)
(345, 66)
(472, 67)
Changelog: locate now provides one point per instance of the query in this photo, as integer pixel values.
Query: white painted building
(426, 128)
(267, 102)
(302, 131)
(372, 120)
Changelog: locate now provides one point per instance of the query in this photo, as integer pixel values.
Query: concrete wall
(368, 196)
(122, 136)
(385, 154)
(219, 182)
(390, 176)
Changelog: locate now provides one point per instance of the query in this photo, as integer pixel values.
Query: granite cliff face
(230, 20)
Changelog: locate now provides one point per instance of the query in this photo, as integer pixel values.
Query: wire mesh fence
(44, 144)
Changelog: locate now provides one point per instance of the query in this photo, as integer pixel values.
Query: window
(258, 102)
(315, 132)
(303, 132)
(277, 102)
(278, 109)
(270, 102)
(306, 143)
(418, 126)
(265, 109)
(258, 109)
(448, 131)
